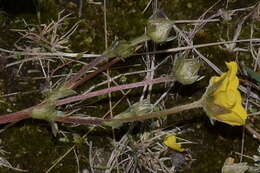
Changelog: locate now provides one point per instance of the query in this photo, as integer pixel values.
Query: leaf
(60, 93)
(254, 75)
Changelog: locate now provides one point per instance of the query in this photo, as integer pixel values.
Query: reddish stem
(17, 116)
(13, 117)
(26, 113)
(71, 82)
(90, 76)
(108, 90)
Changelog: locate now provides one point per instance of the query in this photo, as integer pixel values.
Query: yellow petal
(237, 115)
(229, 79)
(170, 141)
(226, 99)
(224, 104)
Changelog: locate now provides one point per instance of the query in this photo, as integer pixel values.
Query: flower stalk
(112, 89)
(108, 122)
(174, 110)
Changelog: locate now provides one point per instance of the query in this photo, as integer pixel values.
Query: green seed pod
(185, 70)
(137, 109)
(159, 27)
(46, 112)
(121, 48)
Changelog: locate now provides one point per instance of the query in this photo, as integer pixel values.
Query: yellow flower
(170, 141)
(222, 100)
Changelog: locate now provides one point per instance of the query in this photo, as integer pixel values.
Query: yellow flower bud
(222, 100)
(159, 27)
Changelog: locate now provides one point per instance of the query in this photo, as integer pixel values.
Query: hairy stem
(101, 121)
(71, 82)
(112, 89)
(99, 70)
(196, 104)
(13, 117)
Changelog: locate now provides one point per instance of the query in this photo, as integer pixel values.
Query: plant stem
(100, 121)
(17, 116)
(196, 104)
(112, 89)
(13, 117)
(71, 82)
(99, 70)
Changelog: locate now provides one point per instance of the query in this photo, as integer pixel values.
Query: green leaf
(60, 93)
(254, 75)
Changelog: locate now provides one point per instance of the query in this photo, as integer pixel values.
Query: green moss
(30, 144)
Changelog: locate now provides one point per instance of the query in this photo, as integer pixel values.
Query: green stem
(196, 104)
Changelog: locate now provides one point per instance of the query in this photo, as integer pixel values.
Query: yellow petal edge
(170, 141)
(228, 97)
